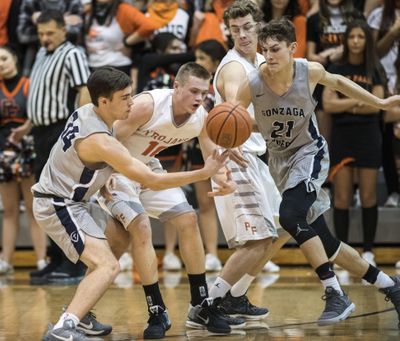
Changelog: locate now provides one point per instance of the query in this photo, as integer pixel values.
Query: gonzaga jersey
(255, 143)
(64, 174)
(286, 122)
(161, 131)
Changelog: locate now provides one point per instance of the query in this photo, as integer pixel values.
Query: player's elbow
(339, 82)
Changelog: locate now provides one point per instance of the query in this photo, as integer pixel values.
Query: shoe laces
(155, 316)
(330, 296)
(91, 315)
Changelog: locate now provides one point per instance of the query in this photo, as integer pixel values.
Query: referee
(58, 86)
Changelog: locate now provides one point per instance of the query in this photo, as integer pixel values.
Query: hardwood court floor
(293, 297)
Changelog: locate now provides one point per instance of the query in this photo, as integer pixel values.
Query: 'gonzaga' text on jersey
(286, 122)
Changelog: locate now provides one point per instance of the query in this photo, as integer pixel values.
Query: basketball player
(81, 161)
(281, 92)
(247, 216)
(159, 119)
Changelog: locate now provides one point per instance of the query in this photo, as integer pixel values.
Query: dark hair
(212, 48)
(108, 12)
(279, 30)
(347, 10)
(388, 17)
(292, 10)
(10, 49)
(162, 41)
(241, 8)
(370, 59)
(191, 69)
(105, 81)
(51, 14)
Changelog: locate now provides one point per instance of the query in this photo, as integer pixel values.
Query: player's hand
(236, 155)
(105, 191)
(215, 162)
(223, 184)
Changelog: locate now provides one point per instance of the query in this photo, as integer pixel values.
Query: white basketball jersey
(178, 25)
(64, 174)
(161, 131)
(255, 143)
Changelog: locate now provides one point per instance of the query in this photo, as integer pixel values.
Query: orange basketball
(229, 125)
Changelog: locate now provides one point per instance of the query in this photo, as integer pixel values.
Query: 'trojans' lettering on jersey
(161, 131)
(283, 111)
(165, 139)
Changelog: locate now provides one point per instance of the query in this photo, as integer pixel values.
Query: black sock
(341, 222)
(369, 221)
(153, 295)
(198, 288)
(372, 274)
(324, 271)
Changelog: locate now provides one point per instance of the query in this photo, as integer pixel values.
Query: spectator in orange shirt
(106, 26)
(210, 23)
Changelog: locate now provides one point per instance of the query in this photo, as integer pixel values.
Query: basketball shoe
(91, 327)
(207, 316)
(337, 307)
(157, 324)
(393, 294)
(5, 268)
(241, 307)
(171, 262)
(212, 263)
(67, 332)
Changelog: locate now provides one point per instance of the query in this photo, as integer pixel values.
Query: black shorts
(362, 142)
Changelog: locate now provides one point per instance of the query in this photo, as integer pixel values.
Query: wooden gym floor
(293, 297)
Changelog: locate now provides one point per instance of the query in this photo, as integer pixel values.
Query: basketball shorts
(309, 165)
(130, 200)
(67, 222)
(250, 213)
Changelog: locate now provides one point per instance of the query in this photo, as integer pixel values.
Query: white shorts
(66, 222)
(130, 200)
(250, 212)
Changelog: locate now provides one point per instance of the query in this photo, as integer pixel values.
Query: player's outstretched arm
(318, 74)
(104, 148)
(243, 95)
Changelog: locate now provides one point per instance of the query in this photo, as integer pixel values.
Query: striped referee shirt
(54, 79)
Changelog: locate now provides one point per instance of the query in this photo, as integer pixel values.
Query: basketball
(229, 125)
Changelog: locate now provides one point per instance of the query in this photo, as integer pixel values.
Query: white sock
(332, 282)
(219, 288)
(41, 264)
(66, 316)
(242, 285)
(383, 281)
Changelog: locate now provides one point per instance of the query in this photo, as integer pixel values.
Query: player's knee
(140, 228)
(295, 223)
(186, 222)
(258, 247)
(112, 269)
(289, 217)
